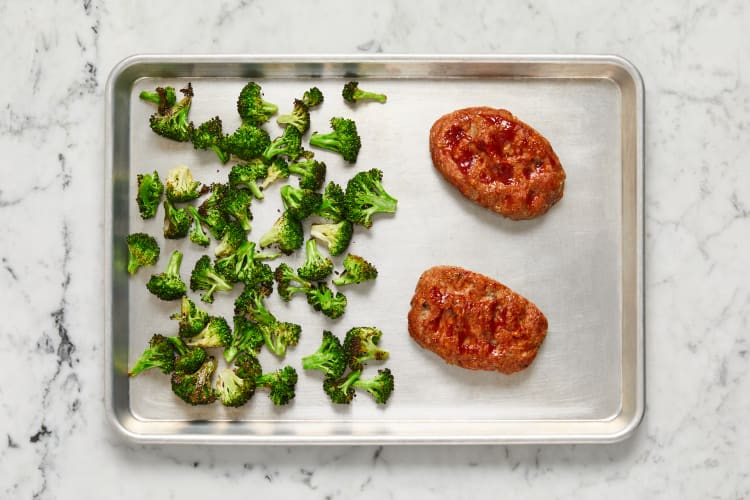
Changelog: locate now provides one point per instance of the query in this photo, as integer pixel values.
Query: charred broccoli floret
(251, 106)
(298, 118)
(352, 93)
(286, 279)
(216, 333)
(172, 122)
(247, 337)
(197, 234)
(332, 204)
(143, 250)
(247, 142)
(281, 384)
(191, 317)
(322, 299)
(248, 174)
(209, 135)
(312, 173)
(205, 277)
(316, 267)
(164, 97)
(150, 190)
(286, 233)
(336, 236)
(277, 335)
(343, 140)
(329, 358)
(168, 285)
(188, 360)
(341, 390)
(365, 196)
(312, 97)
(380, 386)
(233, 390)
(236, 204)
(211, 211)
(234, 236)
(195, 388)
(176, 221)
(181, 186)
(360, 346)
(299, 202)
(159, 354)
(277, 170)
(288, 144)
(356, 270)
(280, 336)
(245, 265)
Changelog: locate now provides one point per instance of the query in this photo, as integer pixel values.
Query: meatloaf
(475, 322)
(497, 161)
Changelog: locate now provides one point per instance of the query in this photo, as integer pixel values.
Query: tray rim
(621, 433)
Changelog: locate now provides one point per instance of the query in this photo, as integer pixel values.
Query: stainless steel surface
(582, 263)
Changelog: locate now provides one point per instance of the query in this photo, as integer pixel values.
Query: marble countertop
(55, 441)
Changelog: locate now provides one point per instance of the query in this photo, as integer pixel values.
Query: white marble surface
(694, 441)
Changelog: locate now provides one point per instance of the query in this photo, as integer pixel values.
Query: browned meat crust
(496, 160)
(475, 322)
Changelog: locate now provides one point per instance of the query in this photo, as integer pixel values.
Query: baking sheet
(581, 263)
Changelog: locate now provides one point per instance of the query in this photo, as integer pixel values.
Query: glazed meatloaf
(497, 161)
(475, 322)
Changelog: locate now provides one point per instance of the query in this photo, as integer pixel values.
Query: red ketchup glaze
(453, 136)
(497, 172)
(464, 159)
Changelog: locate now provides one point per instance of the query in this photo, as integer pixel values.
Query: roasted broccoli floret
(232, 389)
(356, 270)
(150, 190)
(212, 212)
(237, 204)
(196, 388)
(248, 174)
(251, 106)
(322, 299)
(380, 386)
(205, 277)
(247, 337)
(298, 118)
(197, 234)
(341, 390)
(247, 142)
(312, 97)
(352, 93)
(343, 140)
(234, 236)
(336, 236)
(209, 135)
(143, 250)
(278, 169)
(286, 233)
(332, 204)
(181, 186)
(360, 345)
(329, 358)
(216, 333)
(172, 122)
(316, 267)
(176, 221)
(159, 354)
(277, 335)
(191, 317)
(365, 196)
(250, 303)
(288, 144)
(241, 265)
(168, 285)
(286, 279)
(248, 366)
(299, 202)
(164, 97)
(188, 360)
(280, 336)
(281, 384)
(312, 173)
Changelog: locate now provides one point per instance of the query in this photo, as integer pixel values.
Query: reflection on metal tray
(581, 263)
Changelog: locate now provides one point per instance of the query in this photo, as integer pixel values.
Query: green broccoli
(247, 142)
(360, 345)
(332, 204)
(211, 211)
(247, 337)
(150, 190)
(205, 277)
(233, 390)
(248, 366)
(197, 234)
(286, 277)
(216, 333)
(322, 299)
(356, 270)
(253, 109)
(329, 358)
(277, 170)
(209, 135)
(286, 233)
(159, 354)
(168, 285)
(250, 303)
(164, 97)
(176, 221)
(195, 388)
(352, 93)
(365, 196)
(300, 202)
(237, 203)
(143, 250)
(245, 265)
(341, 390)
(298, 118)
(172, 122)
(248, 174)
(312, 173)
(234, 236)
(189, 360)
(380, 386)
(288, 144)
(191, 317)
(312, 97)
(280, 336)
(316, 267)
(335, 235)
(277, 335)
(281, 384)
(343, 140)
(181, 186)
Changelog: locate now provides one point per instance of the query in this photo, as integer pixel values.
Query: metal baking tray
(582, 263)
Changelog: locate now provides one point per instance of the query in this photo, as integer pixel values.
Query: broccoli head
(197, 234)
(312, 97)
(247, 337)
(176, 221)
(212, 212)
(251, 106)
(196, 388)
(332, 204)
(164, 97)
(288, 144)
(237, 204)
(247, 366)
(322, 299)
(298, 118)
(246, 265)
(286, 233)
(380, 386)
(205, 277)
(191, 317)
(286, 279)
(248, 174)
(343, 140)
(233, 390)
(365, 196)
(209, 135)
(299, 202)
(311, 173)
(277, 170)
(316, 267)
(352, 93)
(168, 285)
(336, 236)
(250, 303)
(143, 250)
(280, 383)
(181, 186)
(280, 335)
(216, 333)
(234, 236)
(341, 390)
(189, 360)
(329, 358)
(159, 354)
(150, 190)
(247, 142)
(360, 345)
(172, 122)
(356, 270)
